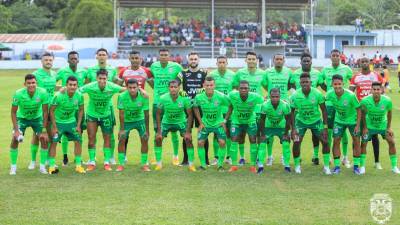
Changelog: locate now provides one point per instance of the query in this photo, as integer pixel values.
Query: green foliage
(54, 6)
(29, 18)
(5, 20)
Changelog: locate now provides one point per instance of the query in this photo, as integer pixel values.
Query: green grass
(175, 196)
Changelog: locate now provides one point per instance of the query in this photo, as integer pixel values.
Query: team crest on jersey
(216, 103)
(280, 112)
(180, 104)
(313, 100)
(170, 70)
(139, 104)
(345, 102)
(37, 99)
(75, 102)
(382, 107)
(199, 75)
(250, 104)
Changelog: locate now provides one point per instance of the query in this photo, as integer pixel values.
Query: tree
(29, 18)
(5, 20)
(54, 7)
(90, 18)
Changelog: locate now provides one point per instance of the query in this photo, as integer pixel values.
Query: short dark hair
(29, 76)
(163, 50)
(101, 50)
(193, 53)
(281, 54)
(208, 78)
(251, 53)
(222, 57)
(47, 54)
(174, 81)
(71, 78)
(275, 90)
(335, 50)
(102, 71)
(304, 55)
(134, 52)
(132, 81)
(376, 83)
(73, 53)
(337, 77)
(305, 75)
(244, 82)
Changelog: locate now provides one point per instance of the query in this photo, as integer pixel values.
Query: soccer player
(64, 107)
(316, 80)
(254, 76)
(277, 77)
(242, 109)
(361, 84)
(211, 103)
(377, 119)
(163, 72)
(133, 114)
(63, 74)
(102, 56)
(174, 107)
(275, 121)
(336, 68)
(306, 115)
(192, 82)
(99, 115)
(223, 78)
(347, 116)
(45, 78)
(29, 109)
(135, 71)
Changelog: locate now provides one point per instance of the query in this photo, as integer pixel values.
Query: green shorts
(140, 126)
(372, 132)
(237, 129)
(166, 128)
(69, 130)
(219, 132)
(330, 111)
(104, 123)
(316, 128)
(36, 124)
(278, 132)
(339, 129)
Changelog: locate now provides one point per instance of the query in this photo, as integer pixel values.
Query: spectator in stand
(386, 59)
(343, 58)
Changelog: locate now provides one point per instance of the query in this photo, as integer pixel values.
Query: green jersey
(46, 80)
(315, 75)
(100, 100)
(162, 76)
(244, 111)
(174, 111)
(275, 117)
(92, 73)
(133, 107)
(223, 83)
(342, 70)
(307, 107)
(280, 80)
(256, 79)
(66, 106)
(212, 108)
(30, 107)
(376, 113)
(63, 74)
(345, 106)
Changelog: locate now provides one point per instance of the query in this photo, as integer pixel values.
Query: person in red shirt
(361, 83)
(135, 71)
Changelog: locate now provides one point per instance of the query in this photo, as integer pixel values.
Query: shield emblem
(199, 75)
(37, 99)
(216, 103)
(139, 104)
(382, 107)
(381, 208)
(345, 102)
(180, 104)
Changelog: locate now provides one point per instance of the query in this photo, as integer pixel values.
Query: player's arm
(288, 119)
(150, 81)
(14, 110)
(229, 113)
(294, 133)
(45, 109)
(121, 121)
(198, 117)
(189, 120)
(389, 123)
(146, 120)
(158, 120)
(323, 87)
(359, 115)
(364, 120)
(81, 112)
(262, 125)
(324, 114)
(54, 129)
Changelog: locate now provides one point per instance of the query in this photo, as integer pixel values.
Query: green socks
(221, 156)
(43, 156)
(228, 146)
(356, 161)
(190, 152)
(13, 156)
(175, 143)
(216, 147)
(261, 153)
(363, 159)
(143, 159)
(241, 150)
(34, 150)
(336, 161)
(121, 158)
(269, 146)
(393, 161)
(253, 154)
(64, 144)
(107, 155)
(52, 162)
(330, 132)
(202, 156)
(327, 157)
(233, 151)
(78, 160)
(316, 151)
(92, 154)
(158, 153)
(286, 153)
(297, 161)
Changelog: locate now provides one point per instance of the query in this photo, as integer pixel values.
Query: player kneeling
(211, 104)
(133, 114)
(174, 106)
(377, 119)
(275, 121)
(347, 116)
(64, 107)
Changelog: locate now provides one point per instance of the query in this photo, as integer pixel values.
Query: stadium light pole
(212, 28)
(263, 25)
(312, 28)
(115, 18)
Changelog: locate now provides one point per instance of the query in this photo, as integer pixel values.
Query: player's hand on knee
(188, 136)
(44, 137)
(158, 137)
(78, 129)
(121, 134)
(389, 133)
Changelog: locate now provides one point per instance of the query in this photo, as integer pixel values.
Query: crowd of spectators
(164, 33)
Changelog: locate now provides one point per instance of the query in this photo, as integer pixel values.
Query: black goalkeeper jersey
(192, 82)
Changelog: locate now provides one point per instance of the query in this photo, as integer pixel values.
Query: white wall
(387, 37)
(357, 51)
